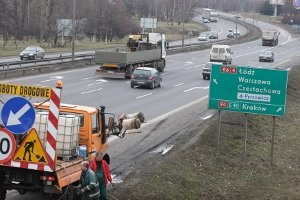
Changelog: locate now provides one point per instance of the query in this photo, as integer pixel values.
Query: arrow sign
(18, 115)
(13, 119)
(215, 81)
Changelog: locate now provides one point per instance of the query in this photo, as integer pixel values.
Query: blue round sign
(18, 115)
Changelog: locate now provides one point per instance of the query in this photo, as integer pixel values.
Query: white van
(221, 53)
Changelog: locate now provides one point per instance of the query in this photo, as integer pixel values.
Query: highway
(182, 89)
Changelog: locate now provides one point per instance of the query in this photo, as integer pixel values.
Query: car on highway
(32, 52)
(213, 35)
(203, 37)
(266, 56)
(205, 20)
(206, 70)
(230, 33)
(236, 32)
(213, 19)
(220, 53)
(145, 77)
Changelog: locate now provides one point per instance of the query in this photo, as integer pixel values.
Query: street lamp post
(183, 23)
(73, 29)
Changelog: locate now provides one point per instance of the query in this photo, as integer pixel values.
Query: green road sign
(248, 89)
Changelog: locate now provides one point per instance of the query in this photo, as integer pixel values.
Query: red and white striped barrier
(52, 127)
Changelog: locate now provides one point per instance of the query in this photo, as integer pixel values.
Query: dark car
(145, 76)
(230, 33)
(213, 35)
(213, 19)
(206, 70)
(32, 53)
(266, 56)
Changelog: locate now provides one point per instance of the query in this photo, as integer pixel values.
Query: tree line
(101, 20)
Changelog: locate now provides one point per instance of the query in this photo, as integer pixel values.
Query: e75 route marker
(7, 145)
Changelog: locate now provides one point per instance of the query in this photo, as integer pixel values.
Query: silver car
(266, 56)
(32, 53)
(203, 37)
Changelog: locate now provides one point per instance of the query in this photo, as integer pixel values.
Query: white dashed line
(178, 84)
(53, 78)
(196, 66)
(89, 78)
(164, 73)
(144, 95)
(193, 88)
(188, 63)
(95, 83)
(91, 91)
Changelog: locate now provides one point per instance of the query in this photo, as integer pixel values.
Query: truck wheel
(129, 71)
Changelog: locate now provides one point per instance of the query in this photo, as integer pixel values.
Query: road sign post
(248, 90)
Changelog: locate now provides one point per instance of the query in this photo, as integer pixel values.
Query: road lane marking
(193, 88)
(178, 84)
(95, 83)
(99, 81)
(53, 78)
(91, 91)
(164, 73)
(188, 68)
(89, 78)
(196, 66)
(144, 95)
(188, 63)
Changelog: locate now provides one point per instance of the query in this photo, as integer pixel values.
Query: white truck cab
(221, 53)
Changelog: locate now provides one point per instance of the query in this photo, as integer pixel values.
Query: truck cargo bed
(123, 57)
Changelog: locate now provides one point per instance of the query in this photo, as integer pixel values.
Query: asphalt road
(183, 87)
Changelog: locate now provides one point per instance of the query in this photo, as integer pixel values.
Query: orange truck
(34, 166)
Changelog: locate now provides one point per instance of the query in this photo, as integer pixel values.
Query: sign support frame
(273, 138)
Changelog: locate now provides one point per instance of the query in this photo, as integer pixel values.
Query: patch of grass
(204, 172)
(172, 32)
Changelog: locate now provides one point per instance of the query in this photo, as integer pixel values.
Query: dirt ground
(197, 169)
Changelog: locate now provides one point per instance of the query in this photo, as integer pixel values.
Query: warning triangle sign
(31, 149)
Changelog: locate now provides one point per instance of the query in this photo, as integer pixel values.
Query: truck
(142, 50)
(206, 13)
(270, 37)
(34, 166)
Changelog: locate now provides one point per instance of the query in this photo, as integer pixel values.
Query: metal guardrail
(8, 65)
(253, 33)
(40, 65)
